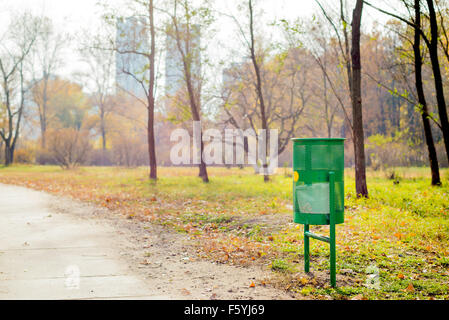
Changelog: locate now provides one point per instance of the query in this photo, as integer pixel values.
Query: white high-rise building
(131, 67)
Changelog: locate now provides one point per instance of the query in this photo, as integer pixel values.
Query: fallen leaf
(410, 288)
(145, 262)
(185, 292)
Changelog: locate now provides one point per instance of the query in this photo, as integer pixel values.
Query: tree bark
(433, 52)
(264, 124)
(433, 159)
(151, 139)
(43, 117)
(9, 154)
(359, 143)
(194, 100)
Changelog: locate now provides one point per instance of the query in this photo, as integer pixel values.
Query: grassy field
(399, 236)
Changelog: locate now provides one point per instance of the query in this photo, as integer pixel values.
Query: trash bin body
(313, 161)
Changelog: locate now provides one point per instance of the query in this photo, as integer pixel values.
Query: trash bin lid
(318, 139)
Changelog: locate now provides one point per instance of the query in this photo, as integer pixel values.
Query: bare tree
(100, 75)
(286, 82)
(433, 46)
(14, 50)
(248, 35)
(433, 160)
(356, 95)
(45, 60)
(146, 78)
(259, 90)
(332, 88)
(350, 49)
(434, 58)
(415, 22)
(184, 29)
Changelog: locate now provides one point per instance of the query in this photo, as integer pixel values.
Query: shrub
(69, 147)
(100, 157)
(129, 150)
(397, 151)
(24, 156)
(44, 157)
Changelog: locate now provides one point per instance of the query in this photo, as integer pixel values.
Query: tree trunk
(433, 52)
(194, 101)
(196, 117)
(203, 169)
(359, 143)
(433, 160)
(266, 177)
(44, 114)
(202, 166)
(151, 140)
(9, 154)
(43, 137)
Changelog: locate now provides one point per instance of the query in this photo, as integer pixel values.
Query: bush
(69, 147)
(24, 156)
(130, 150)
(397, 151)
(100, 157)
(44, 157)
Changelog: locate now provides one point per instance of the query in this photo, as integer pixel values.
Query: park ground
(394, 245)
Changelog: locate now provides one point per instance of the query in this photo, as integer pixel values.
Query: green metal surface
(332, 256)
(317, 236)
(318, 191)
(306, 249)
(313, 159)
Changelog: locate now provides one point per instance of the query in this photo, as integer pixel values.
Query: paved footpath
(49, 255)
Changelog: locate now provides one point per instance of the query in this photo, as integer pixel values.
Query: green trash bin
(318, 189)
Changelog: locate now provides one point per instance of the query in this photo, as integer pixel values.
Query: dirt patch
(169, 261)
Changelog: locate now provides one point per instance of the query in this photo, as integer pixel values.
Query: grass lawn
(400, 235)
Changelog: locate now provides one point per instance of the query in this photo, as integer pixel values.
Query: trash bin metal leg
(332, 229)
(306, 249)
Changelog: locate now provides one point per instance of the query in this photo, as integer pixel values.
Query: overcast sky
(72, 16)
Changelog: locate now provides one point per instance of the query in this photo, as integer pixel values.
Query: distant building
(174, 69)
(131, 35)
